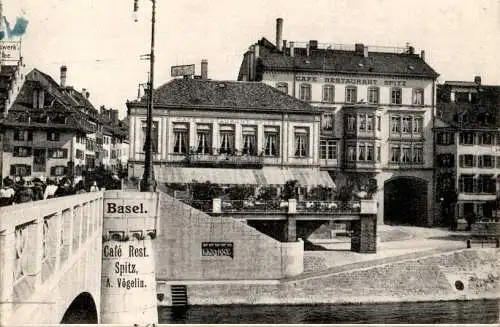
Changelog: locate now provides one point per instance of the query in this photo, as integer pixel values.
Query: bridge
(74, 259)
(51, 260)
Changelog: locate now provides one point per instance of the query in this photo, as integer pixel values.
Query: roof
(66, 108)
(343, 62)
(198, 93)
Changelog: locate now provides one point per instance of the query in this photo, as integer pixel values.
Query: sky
(101, 44)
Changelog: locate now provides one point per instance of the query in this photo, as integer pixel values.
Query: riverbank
(465, 274)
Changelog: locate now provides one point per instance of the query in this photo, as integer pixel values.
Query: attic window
(411, 67)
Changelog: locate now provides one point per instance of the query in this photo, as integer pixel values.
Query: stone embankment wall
(430, 278)
(255, 256)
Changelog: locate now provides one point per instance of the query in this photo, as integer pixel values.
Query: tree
(290, 189)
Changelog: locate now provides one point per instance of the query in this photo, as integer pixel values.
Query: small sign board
(217, 249)
(10, 50)
(182, 70)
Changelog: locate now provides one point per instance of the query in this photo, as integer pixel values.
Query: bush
(290, 190)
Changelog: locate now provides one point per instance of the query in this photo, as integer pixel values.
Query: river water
(450, 312)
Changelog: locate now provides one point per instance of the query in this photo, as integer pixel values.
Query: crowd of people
(22, 190)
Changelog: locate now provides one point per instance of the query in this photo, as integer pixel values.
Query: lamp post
(148, 183)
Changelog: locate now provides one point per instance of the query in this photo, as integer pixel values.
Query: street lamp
(148, 183)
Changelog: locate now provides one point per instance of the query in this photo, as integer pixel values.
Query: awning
(265, 176)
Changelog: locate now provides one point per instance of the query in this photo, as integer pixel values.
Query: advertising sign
(182, 70)
(10, 50)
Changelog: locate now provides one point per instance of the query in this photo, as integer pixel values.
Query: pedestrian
(94, 187)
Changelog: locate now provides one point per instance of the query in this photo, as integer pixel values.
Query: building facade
(227, 133)
(114, 141)
(377, 106)
(50, 130)
(467, 137)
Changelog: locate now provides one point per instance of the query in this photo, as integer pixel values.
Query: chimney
(365, 52)
(87, 95)
(422, 55)
(477, 80)
(313, 44)
(251, 61)
(359, 48)
(284, 46)
(279, 34)
(84, 91)
(204, 69)
(64, 69)
(292, 49)
(411, 50)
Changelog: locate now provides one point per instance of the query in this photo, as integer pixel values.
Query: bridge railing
(37, 240)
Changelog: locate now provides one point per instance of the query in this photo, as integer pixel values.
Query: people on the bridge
(50, 190)
(7, 195)
(80, 187)
(24, 193)
(94, 187)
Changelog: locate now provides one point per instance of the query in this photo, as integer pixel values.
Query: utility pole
(148, 182)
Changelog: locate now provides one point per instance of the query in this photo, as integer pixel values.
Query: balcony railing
(224, 159)
(276, 206)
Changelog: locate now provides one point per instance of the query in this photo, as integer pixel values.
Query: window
(58, 170)
(154, 135)
(283, 87)
(350, 94)
(203, 139)
(418, 97)
(395, 153)
(58, 153)
(406, 154)
(461, 97)
(467, 138)
(249, 140)
(23, 135)
(486, 161)
(301, 142)
(106, 154)
(351, 123)
(486, 184)
(327, 121)
(181, 138)
(328, 149)
(271, 141)
(373, 95)
(445, 138)
(396, 96)
(79, 154)
(351, 152)
(369, 123)
(466, 183)
(418, 155)
(406, 124)
(379, 123)
(305, 92)
(329, 93)
(113, 154)
(379, 153)
(498, 161)
(487, 138)
(226, 139)
(446, 160)
(53, 136)
(418, 124)
(362, 123)
(466, 161)
(20, 170)
(21, 151)
(365, 152)
(395, 124)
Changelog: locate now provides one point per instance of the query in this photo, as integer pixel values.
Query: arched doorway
(81, 311)
(405, 201)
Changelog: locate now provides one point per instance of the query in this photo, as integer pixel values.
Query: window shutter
(461, 160)
(28, 170)
(30, 135)
(13, 170)
(52, 171)
(65, 153)
(440, 138)
(452, 160)
(474, 161)
(16, 135)
(30, 151)
(65, 170)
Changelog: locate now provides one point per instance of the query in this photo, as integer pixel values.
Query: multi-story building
(467, 134)
(228, 133)
(377, 106)
(115, 144)
(47, 129)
